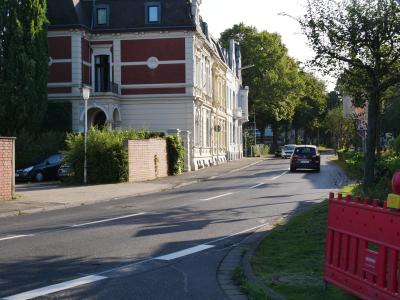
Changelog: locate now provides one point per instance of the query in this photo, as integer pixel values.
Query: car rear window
(305, 151)
(288, 148)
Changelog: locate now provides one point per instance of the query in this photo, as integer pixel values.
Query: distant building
(151, 65)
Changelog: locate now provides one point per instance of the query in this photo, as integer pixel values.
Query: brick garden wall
(7, 168)
(147, 159)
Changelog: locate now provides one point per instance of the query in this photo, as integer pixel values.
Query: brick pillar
(7, 168)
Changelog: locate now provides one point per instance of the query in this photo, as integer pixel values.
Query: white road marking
(276, 177)
(15, 237)
(184, 252)
(257, 185)
(107, 220)
(241, 232)
(216, 197)
(56, 288)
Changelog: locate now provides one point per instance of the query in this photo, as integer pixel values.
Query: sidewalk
(33, 197)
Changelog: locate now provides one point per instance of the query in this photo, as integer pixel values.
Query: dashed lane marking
(56, 288)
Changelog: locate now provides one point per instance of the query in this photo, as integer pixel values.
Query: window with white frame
(198, 72)
(153, 12)
(102, 15)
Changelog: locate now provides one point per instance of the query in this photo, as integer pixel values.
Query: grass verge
(290, 259)
(253, 292)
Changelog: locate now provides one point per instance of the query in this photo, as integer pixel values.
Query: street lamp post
(85, 95)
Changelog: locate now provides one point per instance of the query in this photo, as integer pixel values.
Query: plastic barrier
(362, 248)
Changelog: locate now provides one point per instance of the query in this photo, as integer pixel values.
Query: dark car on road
(305, 157)
(45, 170)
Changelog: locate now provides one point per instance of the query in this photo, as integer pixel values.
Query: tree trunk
(296, 135)
(373, 120)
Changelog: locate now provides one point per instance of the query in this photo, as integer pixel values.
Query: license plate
(304, 161)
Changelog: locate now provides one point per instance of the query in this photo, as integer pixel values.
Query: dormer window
(102, 15)
(153, 12)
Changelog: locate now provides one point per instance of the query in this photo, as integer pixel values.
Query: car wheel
(318, 169)
(39, 177)
(292, 169)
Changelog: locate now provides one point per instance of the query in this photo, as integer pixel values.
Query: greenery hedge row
(107, 154)
(388, 163)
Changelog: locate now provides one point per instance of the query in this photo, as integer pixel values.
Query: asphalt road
(160, 246)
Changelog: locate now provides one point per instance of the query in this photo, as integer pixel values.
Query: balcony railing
(107, 87)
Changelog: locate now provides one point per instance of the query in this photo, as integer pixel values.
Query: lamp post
(85, 96)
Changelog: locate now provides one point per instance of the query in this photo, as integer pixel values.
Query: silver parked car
(287, 150)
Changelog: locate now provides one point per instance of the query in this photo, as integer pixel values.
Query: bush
(260, 150)
(31, 149)
(176, 155)
(107, 154)
(353, 162)
(395, 145)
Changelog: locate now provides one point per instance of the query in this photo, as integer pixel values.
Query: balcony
(107, 87)
(238, 113)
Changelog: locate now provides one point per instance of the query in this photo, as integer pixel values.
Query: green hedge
(176, 155)
(107, 154)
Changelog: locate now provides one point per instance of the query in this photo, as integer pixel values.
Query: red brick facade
(147, 159)
(7, 168)
(134, 54)
(163, 49)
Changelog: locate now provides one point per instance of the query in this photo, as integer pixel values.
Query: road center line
(241, 232)
(15, 237)
(106, 220)
(276, 177)
(257, 185)
(216, 197)
(185, 252)
(56, 288)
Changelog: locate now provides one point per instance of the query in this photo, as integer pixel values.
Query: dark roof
(124, 15)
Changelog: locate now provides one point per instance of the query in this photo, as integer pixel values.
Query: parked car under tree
(45, 170)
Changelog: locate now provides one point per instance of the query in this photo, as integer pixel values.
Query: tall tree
(23, 65)
(311, 107)
(340, 128)
(362, 39)
(274, 79)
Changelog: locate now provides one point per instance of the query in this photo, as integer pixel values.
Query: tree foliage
(274, 80)
(23, 65)
(311, 107)
(340, 128)
(361, 40)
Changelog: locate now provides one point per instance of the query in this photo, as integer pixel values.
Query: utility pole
(255, 127)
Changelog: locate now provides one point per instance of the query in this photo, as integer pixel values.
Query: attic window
(153, 12)
(102, 15)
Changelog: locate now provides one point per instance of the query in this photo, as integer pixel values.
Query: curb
(234, 258)
(248, 270)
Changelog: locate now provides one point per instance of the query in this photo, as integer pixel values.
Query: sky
(264, 15)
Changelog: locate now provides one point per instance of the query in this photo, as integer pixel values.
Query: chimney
(196, 11)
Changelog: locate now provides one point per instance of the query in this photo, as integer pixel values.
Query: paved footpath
(39, 197)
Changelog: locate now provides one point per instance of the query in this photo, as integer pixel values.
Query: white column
(190, 62)
(76, 50)
(117, 60)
